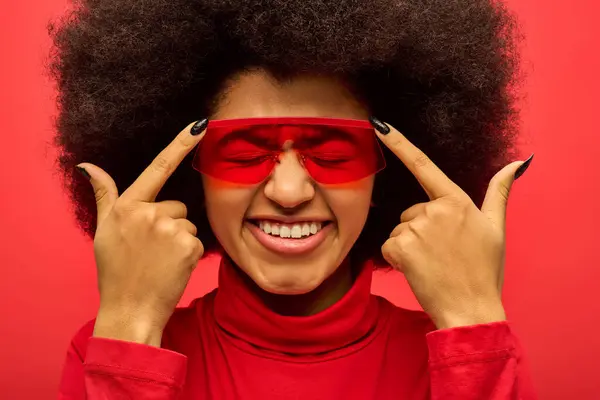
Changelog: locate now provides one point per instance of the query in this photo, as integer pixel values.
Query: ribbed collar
(241, 313)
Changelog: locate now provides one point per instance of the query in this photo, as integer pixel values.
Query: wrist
(126, 326)
(485, 314)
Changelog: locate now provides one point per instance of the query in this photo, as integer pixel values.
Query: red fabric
(228, 345)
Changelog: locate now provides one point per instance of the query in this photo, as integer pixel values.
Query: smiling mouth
(299, 230)
(290, 239)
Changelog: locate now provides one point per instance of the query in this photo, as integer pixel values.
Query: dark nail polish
(523, 167)
(83, 172)
(380, 126)
(199, 127)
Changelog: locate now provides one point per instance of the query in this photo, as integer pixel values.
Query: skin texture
(289, 191)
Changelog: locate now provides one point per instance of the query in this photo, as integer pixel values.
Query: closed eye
(248, 157)
(329, 158)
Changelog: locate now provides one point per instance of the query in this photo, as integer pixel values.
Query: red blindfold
(246, 151)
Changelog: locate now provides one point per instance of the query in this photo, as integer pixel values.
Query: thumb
(105, 188)
(496, 197)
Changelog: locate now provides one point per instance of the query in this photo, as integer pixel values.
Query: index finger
(147, 186)
(435, 183)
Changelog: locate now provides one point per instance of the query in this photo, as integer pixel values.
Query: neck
(325, 295)
(339, 312)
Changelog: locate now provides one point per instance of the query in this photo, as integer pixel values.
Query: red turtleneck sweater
(229, 345)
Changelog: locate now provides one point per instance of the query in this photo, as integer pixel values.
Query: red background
(47, 284)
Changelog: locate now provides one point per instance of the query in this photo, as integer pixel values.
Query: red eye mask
(247, 150)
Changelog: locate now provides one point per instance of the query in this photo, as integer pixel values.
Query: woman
(302, 191)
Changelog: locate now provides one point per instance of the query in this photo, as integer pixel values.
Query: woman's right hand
(145, 251)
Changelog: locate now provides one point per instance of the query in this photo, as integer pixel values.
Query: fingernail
(380, 126)
(521, 170)
(83, 172)
(199, 127)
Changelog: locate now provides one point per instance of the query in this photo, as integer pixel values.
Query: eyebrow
(327, 133)
(250, 135)
(314, 135)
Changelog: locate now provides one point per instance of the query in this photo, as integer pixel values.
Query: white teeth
(285, 232)
(275, 230)
(315, 227)
(305, 230)
(295, 231)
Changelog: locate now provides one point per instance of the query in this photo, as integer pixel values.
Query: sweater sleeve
(98, 368)
(478, 362)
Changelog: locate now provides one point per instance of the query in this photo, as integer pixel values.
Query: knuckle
(100, 194)
(199, 248)
(162, 165)
(436, 211)
(415, 226)
(405, 242)
(166, 227)
(397, 230)
(172, 208)
(393, 252)
(496, 180)
(191, 246)
(465, 200)
(187, 243)
(388, 253)
(397, 245)
(395, 142)
(503, 191)
(148, 215)
(404, 216)
(184, 209)
(421, 161)
(185, 141)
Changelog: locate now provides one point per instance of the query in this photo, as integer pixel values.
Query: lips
(295, 230)
(289, 238)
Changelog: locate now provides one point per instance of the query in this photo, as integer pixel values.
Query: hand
(145, 251)
(451, 253)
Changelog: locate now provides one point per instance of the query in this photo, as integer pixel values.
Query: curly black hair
(131, 74)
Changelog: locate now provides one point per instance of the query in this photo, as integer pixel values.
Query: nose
(289, 184)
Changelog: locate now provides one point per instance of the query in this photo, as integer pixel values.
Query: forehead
(257, 94)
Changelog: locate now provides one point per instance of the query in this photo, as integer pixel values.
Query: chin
(287, 280)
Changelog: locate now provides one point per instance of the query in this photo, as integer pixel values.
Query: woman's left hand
(451, 252)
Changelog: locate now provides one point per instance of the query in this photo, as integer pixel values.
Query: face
(253, 222)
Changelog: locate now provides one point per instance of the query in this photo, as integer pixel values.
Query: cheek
(226, 205)
(350, 206)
